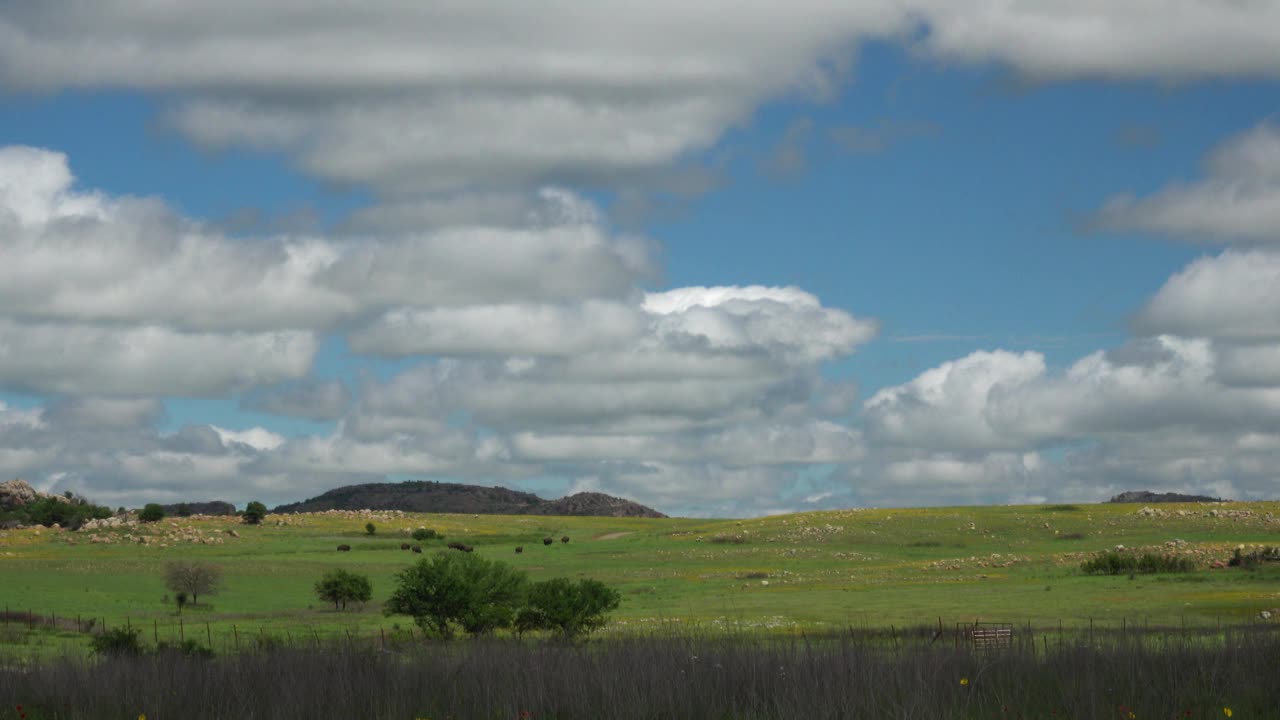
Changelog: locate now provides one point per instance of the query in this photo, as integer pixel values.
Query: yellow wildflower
(1227, 711)
(964, 681)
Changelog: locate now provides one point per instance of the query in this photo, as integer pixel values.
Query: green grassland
(803, 572)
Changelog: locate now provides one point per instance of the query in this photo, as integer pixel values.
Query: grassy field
(807, 572)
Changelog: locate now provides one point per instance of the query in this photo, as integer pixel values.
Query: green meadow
(865, 568)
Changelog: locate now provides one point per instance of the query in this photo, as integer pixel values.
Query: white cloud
(76, 359)
(1137, 39)
(422, 98)
(1232, 296)
(79, 256)
(1239, 201)
(256, 438)
(947, 406)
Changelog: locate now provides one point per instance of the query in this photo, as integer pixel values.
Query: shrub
(187, 648)
(254, 512)
(424, 534)
(461, 589)
(570, 609)
(341, 587)
(117, 642)
(1118, 563)
(150, 513)
(370, 528)
(1251, 560)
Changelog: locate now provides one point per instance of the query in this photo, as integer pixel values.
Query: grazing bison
(344, 548)
(459, 546)
(417, 548)
(519, 549)
(564, 539)
(547, 541)
(404, 546)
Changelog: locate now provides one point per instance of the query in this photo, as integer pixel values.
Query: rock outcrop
(1146, 496)
(16, 493)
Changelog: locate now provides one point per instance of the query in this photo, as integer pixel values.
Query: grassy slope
(826, 569)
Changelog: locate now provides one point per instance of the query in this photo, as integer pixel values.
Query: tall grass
(849, 675)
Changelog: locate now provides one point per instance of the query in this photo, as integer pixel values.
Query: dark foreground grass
(851, 675)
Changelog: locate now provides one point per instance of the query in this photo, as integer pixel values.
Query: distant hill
(1146, 496)
(438, 497)
(212, 507)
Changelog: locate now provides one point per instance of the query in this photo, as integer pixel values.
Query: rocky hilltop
(1146, 497)
(439, 497)
(16, 493)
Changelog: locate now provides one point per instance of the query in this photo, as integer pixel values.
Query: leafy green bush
(254, 512)
(118, 642)
(458, 589)
(49, 511)
(151, 512)
(424, 534)
(570, 609)
(1120, 563)
(341, 587)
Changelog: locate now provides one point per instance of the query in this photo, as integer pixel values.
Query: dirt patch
(613, 535)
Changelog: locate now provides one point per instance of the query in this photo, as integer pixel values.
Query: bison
(547, 541)
(344, 548)
(417, 548)
(519, 549)
(404, 546)
(459, 546)
(564, 539)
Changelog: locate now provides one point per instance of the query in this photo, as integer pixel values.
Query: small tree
(461, 589)
(370, 528)
(192, 578)
(150, 513)
(254, 512)
(570, 609)
(341, 587)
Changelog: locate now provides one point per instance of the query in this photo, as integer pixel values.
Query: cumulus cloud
(1233, 296)
(78, 359)
(948, 406)
(1238, 201)
(421, 98)
(83, 256)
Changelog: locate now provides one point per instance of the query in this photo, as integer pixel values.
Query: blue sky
(873, 253)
